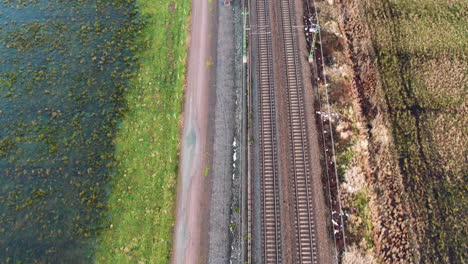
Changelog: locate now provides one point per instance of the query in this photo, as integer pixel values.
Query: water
(63, 71)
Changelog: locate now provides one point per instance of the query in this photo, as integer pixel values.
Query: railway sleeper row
(270, 200)
(305, 246)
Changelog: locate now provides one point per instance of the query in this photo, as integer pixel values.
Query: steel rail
(306, 245)
(271, 224)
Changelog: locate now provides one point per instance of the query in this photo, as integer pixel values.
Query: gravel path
(208, 191)
(223, 234)
(189, 226)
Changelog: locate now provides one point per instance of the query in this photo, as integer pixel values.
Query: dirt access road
(208, 188)
(190, 230)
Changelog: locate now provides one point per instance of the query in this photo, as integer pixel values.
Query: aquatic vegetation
(61, 98)
(90, 100)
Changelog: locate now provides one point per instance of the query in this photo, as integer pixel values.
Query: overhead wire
(330, 126)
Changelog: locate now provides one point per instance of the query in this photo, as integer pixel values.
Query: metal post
(312, 48)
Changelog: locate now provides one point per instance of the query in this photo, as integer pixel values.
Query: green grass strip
(142, 200)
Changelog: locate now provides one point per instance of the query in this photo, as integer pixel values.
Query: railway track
(271, 224)
(306, 246)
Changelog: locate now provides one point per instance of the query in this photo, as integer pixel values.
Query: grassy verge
(421, 48)
(361, 203)
(141, 206)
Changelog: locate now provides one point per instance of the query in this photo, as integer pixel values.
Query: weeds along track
(306, 247)
(271, 226)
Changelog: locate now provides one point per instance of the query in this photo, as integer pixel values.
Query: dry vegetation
(398, 81)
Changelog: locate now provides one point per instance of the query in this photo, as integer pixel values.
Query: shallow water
(63, 69)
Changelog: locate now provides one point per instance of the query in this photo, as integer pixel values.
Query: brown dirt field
(391, 232)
